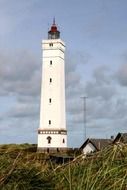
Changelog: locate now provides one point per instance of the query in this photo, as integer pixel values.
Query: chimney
(112, 137)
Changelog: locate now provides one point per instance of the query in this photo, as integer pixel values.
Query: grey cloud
(20, 78)
(94, 90)
(19, 74)
(21, 110)
(100, 91)
(104, 105)
(20, 67)
(74, 86)
(100, 109)
(121, 108)
(121, 75)
(75, 106)
(101, 85)
(75, 59)
(101, 74)
(19, 130)
(72, 78)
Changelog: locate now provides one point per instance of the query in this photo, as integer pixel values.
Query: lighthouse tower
(52, 133)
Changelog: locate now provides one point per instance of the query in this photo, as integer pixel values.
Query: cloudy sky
(95, 33)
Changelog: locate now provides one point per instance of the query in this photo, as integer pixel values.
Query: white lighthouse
(52, 133)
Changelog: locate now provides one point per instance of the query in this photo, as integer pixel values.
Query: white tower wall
(52, 131)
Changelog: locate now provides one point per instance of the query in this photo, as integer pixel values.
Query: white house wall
(89, 148)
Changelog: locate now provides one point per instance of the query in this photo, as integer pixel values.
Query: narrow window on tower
(49, 139)
(63, 141)
(49, 122)
(50, 100)
(50, 62)
(50, 80)
(51, 44)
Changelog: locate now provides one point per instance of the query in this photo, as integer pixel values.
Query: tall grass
(105, 170)
(24, 170)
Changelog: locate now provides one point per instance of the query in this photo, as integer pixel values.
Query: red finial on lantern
(54, 21)
(54, 27)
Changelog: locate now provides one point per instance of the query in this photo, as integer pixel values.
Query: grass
(23, 169)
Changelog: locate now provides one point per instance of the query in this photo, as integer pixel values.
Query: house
(121, 137)
(93, 145)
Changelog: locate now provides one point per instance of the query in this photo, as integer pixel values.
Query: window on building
(63, 140)
(50, 80)
(51, 44)
(49, 139)
(49, 122)
(50, 100)
(50, 62)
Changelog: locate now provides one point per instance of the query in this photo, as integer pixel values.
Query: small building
(121, 137)
(93, 145)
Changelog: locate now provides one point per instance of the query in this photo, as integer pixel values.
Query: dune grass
(21, 169)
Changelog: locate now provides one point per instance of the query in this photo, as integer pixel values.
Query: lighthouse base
(52, 140)
(53, 150)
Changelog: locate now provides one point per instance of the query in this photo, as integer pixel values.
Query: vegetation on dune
(23, 169)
